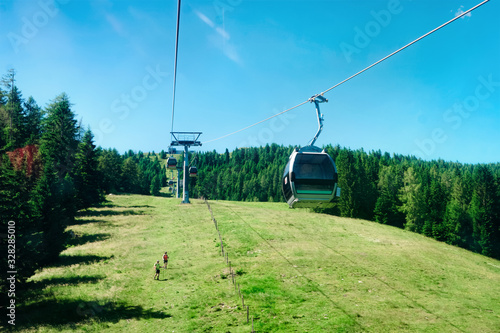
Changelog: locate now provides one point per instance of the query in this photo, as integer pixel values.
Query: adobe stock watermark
(217, 24)
(221, 6)
(11, 272)
(455, 116)
(266, 134)
(123, 105)
(31, 25)
(364, 36)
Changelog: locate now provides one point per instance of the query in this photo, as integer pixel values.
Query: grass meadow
(296, 271)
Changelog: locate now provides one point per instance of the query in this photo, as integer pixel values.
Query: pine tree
(33, 122)
(50, 198)
(457, 219)
(348, 183)
(16, 206)
(155, 186)
(413, 203)
(436, 206)
(59, 140)
(13, 115)
(367, 172)
(130, 176)
(87, 177)
(387, 209)
(485, 211)
(110, 167)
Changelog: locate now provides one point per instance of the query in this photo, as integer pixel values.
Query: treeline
(136, 173)
(452, 202)
(252, 174)
(50, 169)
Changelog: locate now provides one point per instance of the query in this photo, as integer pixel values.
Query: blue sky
(241, 61)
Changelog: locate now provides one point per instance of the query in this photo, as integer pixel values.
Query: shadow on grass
(34, 290)
(81, 222)
(69, 280)
(88, 238)
(112, 205)
(99, 213)
(73, 312)
(65, 260)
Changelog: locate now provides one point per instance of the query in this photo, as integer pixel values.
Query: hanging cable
(352, 76)
(257, 123)
(175, 59)
(407, 45)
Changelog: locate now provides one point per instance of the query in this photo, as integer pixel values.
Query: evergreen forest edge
(50, 169)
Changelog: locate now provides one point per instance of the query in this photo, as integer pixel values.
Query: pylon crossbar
(185, 139)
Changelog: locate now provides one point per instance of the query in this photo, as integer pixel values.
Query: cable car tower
(185, 139)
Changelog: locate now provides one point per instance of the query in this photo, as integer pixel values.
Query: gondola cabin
(193, 172)
(171, 163)
(310, 179)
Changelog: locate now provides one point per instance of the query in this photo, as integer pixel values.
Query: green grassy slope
(297, 271)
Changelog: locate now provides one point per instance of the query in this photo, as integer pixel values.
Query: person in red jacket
(165, 260)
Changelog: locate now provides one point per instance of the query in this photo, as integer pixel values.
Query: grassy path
(296, 270)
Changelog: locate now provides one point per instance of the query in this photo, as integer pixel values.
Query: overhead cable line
(175, 60)
(407, 45)
(353, 76)
(257, 123)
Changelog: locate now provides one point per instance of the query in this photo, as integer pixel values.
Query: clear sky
(241, 61)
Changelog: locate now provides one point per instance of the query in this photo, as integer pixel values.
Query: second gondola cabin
(193, 172)
(310, 179)
(171, 163)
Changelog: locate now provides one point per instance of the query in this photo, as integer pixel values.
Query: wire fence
(225, 255)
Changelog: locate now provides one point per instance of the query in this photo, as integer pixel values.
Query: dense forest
(50, 170)
(452, 202)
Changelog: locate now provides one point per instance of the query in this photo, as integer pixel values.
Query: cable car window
(314, 174)
(313, 166)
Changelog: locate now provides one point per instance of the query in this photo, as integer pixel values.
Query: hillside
(297, 271)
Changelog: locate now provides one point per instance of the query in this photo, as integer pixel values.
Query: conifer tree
(87, 177)
(110, 167)
(155, 186)
(348, 183)
(33, 122)
(130, 176)
(485, 211)
(59, 140)
(51, 213)
(387, 208)
(16, 206)
(412, 197)
(13, 115)
(457, 218)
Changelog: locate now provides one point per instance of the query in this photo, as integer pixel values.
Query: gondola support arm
(316, 99)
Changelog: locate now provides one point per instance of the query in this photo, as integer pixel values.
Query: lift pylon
(185, 139)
